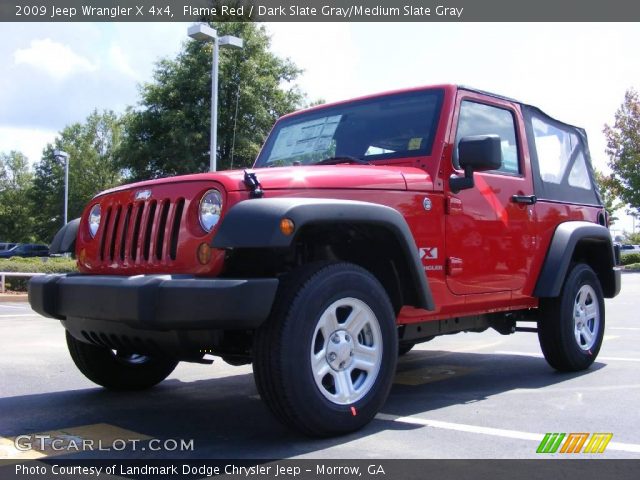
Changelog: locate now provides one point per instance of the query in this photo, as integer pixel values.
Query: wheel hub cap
(346, 351)
(340, 350)
(586, 318)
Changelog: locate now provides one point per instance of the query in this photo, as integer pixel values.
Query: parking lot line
(15, 315)
(601, 388)
(496, 432)
(624, 328)
(539, 355)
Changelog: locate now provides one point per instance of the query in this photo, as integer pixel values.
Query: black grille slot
(105, 230)
(146, 245)
(136, 231)
(95, 338)
(164, 212)
(175, 228)
(114, 235)
(125, 231)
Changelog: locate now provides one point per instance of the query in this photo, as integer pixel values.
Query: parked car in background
(6, 246)
(624, 249)
(25, 250)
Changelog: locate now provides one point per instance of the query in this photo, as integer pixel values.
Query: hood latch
(251, 181)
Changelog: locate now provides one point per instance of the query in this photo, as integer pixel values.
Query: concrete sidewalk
(13, 297)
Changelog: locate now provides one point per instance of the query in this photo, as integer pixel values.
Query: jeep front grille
(141, 232)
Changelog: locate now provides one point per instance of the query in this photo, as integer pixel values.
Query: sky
(55, 74)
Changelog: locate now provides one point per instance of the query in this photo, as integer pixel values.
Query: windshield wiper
(342, 159)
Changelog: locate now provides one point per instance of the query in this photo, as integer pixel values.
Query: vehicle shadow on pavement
(430, 380)
(226, 419)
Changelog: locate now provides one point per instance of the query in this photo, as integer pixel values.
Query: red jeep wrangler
(366, 227)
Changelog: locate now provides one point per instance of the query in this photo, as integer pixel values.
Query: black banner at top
(319, 10)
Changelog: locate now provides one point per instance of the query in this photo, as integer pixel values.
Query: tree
(92, 168)
(15, 184)
(609, 191)
(623, 148)
(169, 133)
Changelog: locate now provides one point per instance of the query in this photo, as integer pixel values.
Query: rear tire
(324, 361)
(571, 326)
(118, 370)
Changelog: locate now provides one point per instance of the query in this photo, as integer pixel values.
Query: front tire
(571, 326)
(324, 361)
(118, 370)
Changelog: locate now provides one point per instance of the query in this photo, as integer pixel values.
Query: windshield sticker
(306, 137)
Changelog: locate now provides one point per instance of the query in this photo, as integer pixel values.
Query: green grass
(630, 258)
(34, 265)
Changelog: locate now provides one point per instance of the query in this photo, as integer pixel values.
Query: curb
(19, 297)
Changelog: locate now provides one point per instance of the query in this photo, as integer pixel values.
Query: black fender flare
(559, 255)
(65, 239)
(256, 224)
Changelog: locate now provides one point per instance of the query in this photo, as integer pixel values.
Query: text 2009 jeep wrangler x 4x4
(366, 227)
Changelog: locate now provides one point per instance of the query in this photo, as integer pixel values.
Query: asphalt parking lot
(462, 396)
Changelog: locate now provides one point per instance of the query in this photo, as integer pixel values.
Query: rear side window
(480, 119)
(560, 159)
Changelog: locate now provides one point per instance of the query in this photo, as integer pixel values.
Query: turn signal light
(287, 226)
(204, 253)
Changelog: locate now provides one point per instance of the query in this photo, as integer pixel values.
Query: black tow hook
(251, 181)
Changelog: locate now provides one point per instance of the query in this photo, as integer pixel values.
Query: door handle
(524, 199)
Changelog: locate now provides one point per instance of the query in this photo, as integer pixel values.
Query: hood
(369, 177)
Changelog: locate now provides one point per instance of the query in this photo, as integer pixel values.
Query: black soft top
(560, 189)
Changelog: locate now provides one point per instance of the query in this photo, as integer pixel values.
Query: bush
(34, 265)
(629, 258)
(633, 266)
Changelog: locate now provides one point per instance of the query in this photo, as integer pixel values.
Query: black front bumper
(155, 302)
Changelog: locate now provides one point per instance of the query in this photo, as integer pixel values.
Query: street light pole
(58, 154)
(213, 158)
(203, 32)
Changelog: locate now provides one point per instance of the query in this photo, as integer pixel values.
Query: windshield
(393, 126)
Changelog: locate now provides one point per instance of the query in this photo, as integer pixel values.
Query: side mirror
(476, 154)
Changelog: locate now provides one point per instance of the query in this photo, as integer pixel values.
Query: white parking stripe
(539, 355)
(14, 315)
(624, 328)
(496, 432)
(601, 388)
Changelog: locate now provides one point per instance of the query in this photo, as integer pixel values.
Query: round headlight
(210, 209)
(94, 220)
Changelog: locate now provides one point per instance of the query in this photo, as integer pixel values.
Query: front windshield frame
(423, 147)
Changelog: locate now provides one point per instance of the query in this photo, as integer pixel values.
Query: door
(488, 227)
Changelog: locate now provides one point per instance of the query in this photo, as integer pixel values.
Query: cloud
(329, 62)
(55, 59)
(29, 141)
(120, 61)
(56, 74)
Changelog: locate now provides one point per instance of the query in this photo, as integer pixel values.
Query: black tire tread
(100, 366)
(271, 382)
(556, 342)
